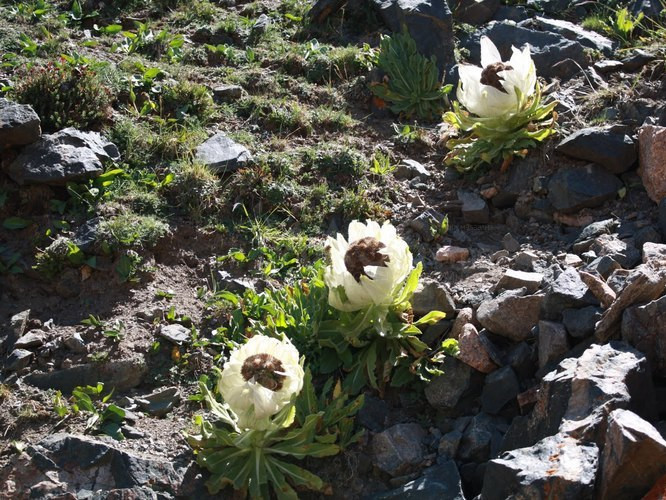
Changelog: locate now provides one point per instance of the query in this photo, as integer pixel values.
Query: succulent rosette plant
(503, 113)
(259, 379)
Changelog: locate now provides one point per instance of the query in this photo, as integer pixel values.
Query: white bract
(259, 379)
(368, 268)
(497, 88)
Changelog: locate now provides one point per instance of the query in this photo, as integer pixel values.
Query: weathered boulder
(432, 295)
(472, 350)
(518, 279)
(501, 387)
(482, 438)
(573, 188)
(553, 342)
(439, 481)
(571, 31)
(221, 154)
(556, 467)
(652, 160)
(19, 124)
(576, 397)
(512, 314)
(398, 449)
(644, 327)
(580, 323)
(67, 155)
(429, 23)
(475, 11)
(608, 146)
(566, 292)
(634, 457)
(444, 392)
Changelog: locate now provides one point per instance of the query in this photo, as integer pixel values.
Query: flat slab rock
(610, 147)
(440, 482)
(560, 465)
(222, 154)
(67, 155)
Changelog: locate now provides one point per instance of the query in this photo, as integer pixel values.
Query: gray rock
(227, 93)
(662, 218)
(576, 397)
(634, 457)
(573, 188)
(432, 296)
(373, 413)
(644, 327)
(475, 11)
(429, 22)
(221, 154)
(475, 209)
(647, 234)
(481, 439)
(17, 360)
(119, 374)
(409, 169)
(571, 31)
(553, 342)
(523, 359)
(444, 392)
(75, 343)
(67, 155)
(654, 252)
(500, 388)
(519, 279)
(512, 314)
(555, 467)
(427, 224)
(566, 292)
(448, 444)
(87, 235)
(637, 59)
(176, 334)
(17, 325)
(19, 124)
(580, 323)
(525, 260)
(607, 66)
(609, 146)
(621, 251)
(603, 266)
(439, 481)
(32, 339)
(546, 48)
(510, 243)
(159, 403)
(399, 449)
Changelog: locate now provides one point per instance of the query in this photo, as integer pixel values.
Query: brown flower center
(265, 369)
(490, 77)
(364, 252)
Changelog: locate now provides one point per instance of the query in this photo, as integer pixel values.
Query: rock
(324, 8)
(566, 292)
(624, 253)
(17, 360)
(555, 467)
(553, 342)
(429, 22)
(439, 481)
(448, 254)
(19, 124)
(603, 293)
(75, 343)
(634, 457)
(261, 25)
(427, 224)
(399, 449)
(409, 169)
(643, 285)
(609, 146)
(475, 11)
(647, 234)
(512, 314)
(159, 403)
(432, 296)
(546, 48)
(500, 388)
(662, 218)
(221, 154)
(645, 329)
(34, 338)
(606, 66)
(603, 266)
(580, 323)
(120, 374)
(481, 439)
(475, 209)
(448, 444)
(525, 260)
(373, 414)
(637, 59)
(87, 235)
(227, 93)
(572, 188)
(654, 252)
(576, 397)
(571, 31)
(652, 160)
(510, 243)
(523, 359)
(176, 334)
(444, 391)
(17, 326)
(519, 279)
(67, 155)
(464, 316)
(472, 351)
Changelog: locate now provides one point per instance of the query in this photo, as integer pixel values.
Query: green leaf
(16, 223)
(431, 318)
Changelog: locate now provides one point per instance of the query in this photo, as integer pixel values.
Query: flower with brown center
(367, 270)
(259, 379)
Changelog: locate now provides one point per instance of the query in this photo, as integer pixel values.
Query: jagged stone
(512, 314)
(398, 449)
(19, 124)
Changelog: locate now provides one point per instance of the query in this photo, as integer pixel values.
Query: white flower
(367, 270)
(259, 379)
(490, 90)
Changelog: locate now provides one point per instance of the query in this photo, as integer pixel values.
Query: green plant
(9, 261)
(128, 266)
(115, 331)
(187, 99)
(156, 45)
(381, 164)
(130, 230)
(413, 86)
(105, 417)
(623, 24)
(61, 253)
(64, 96)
